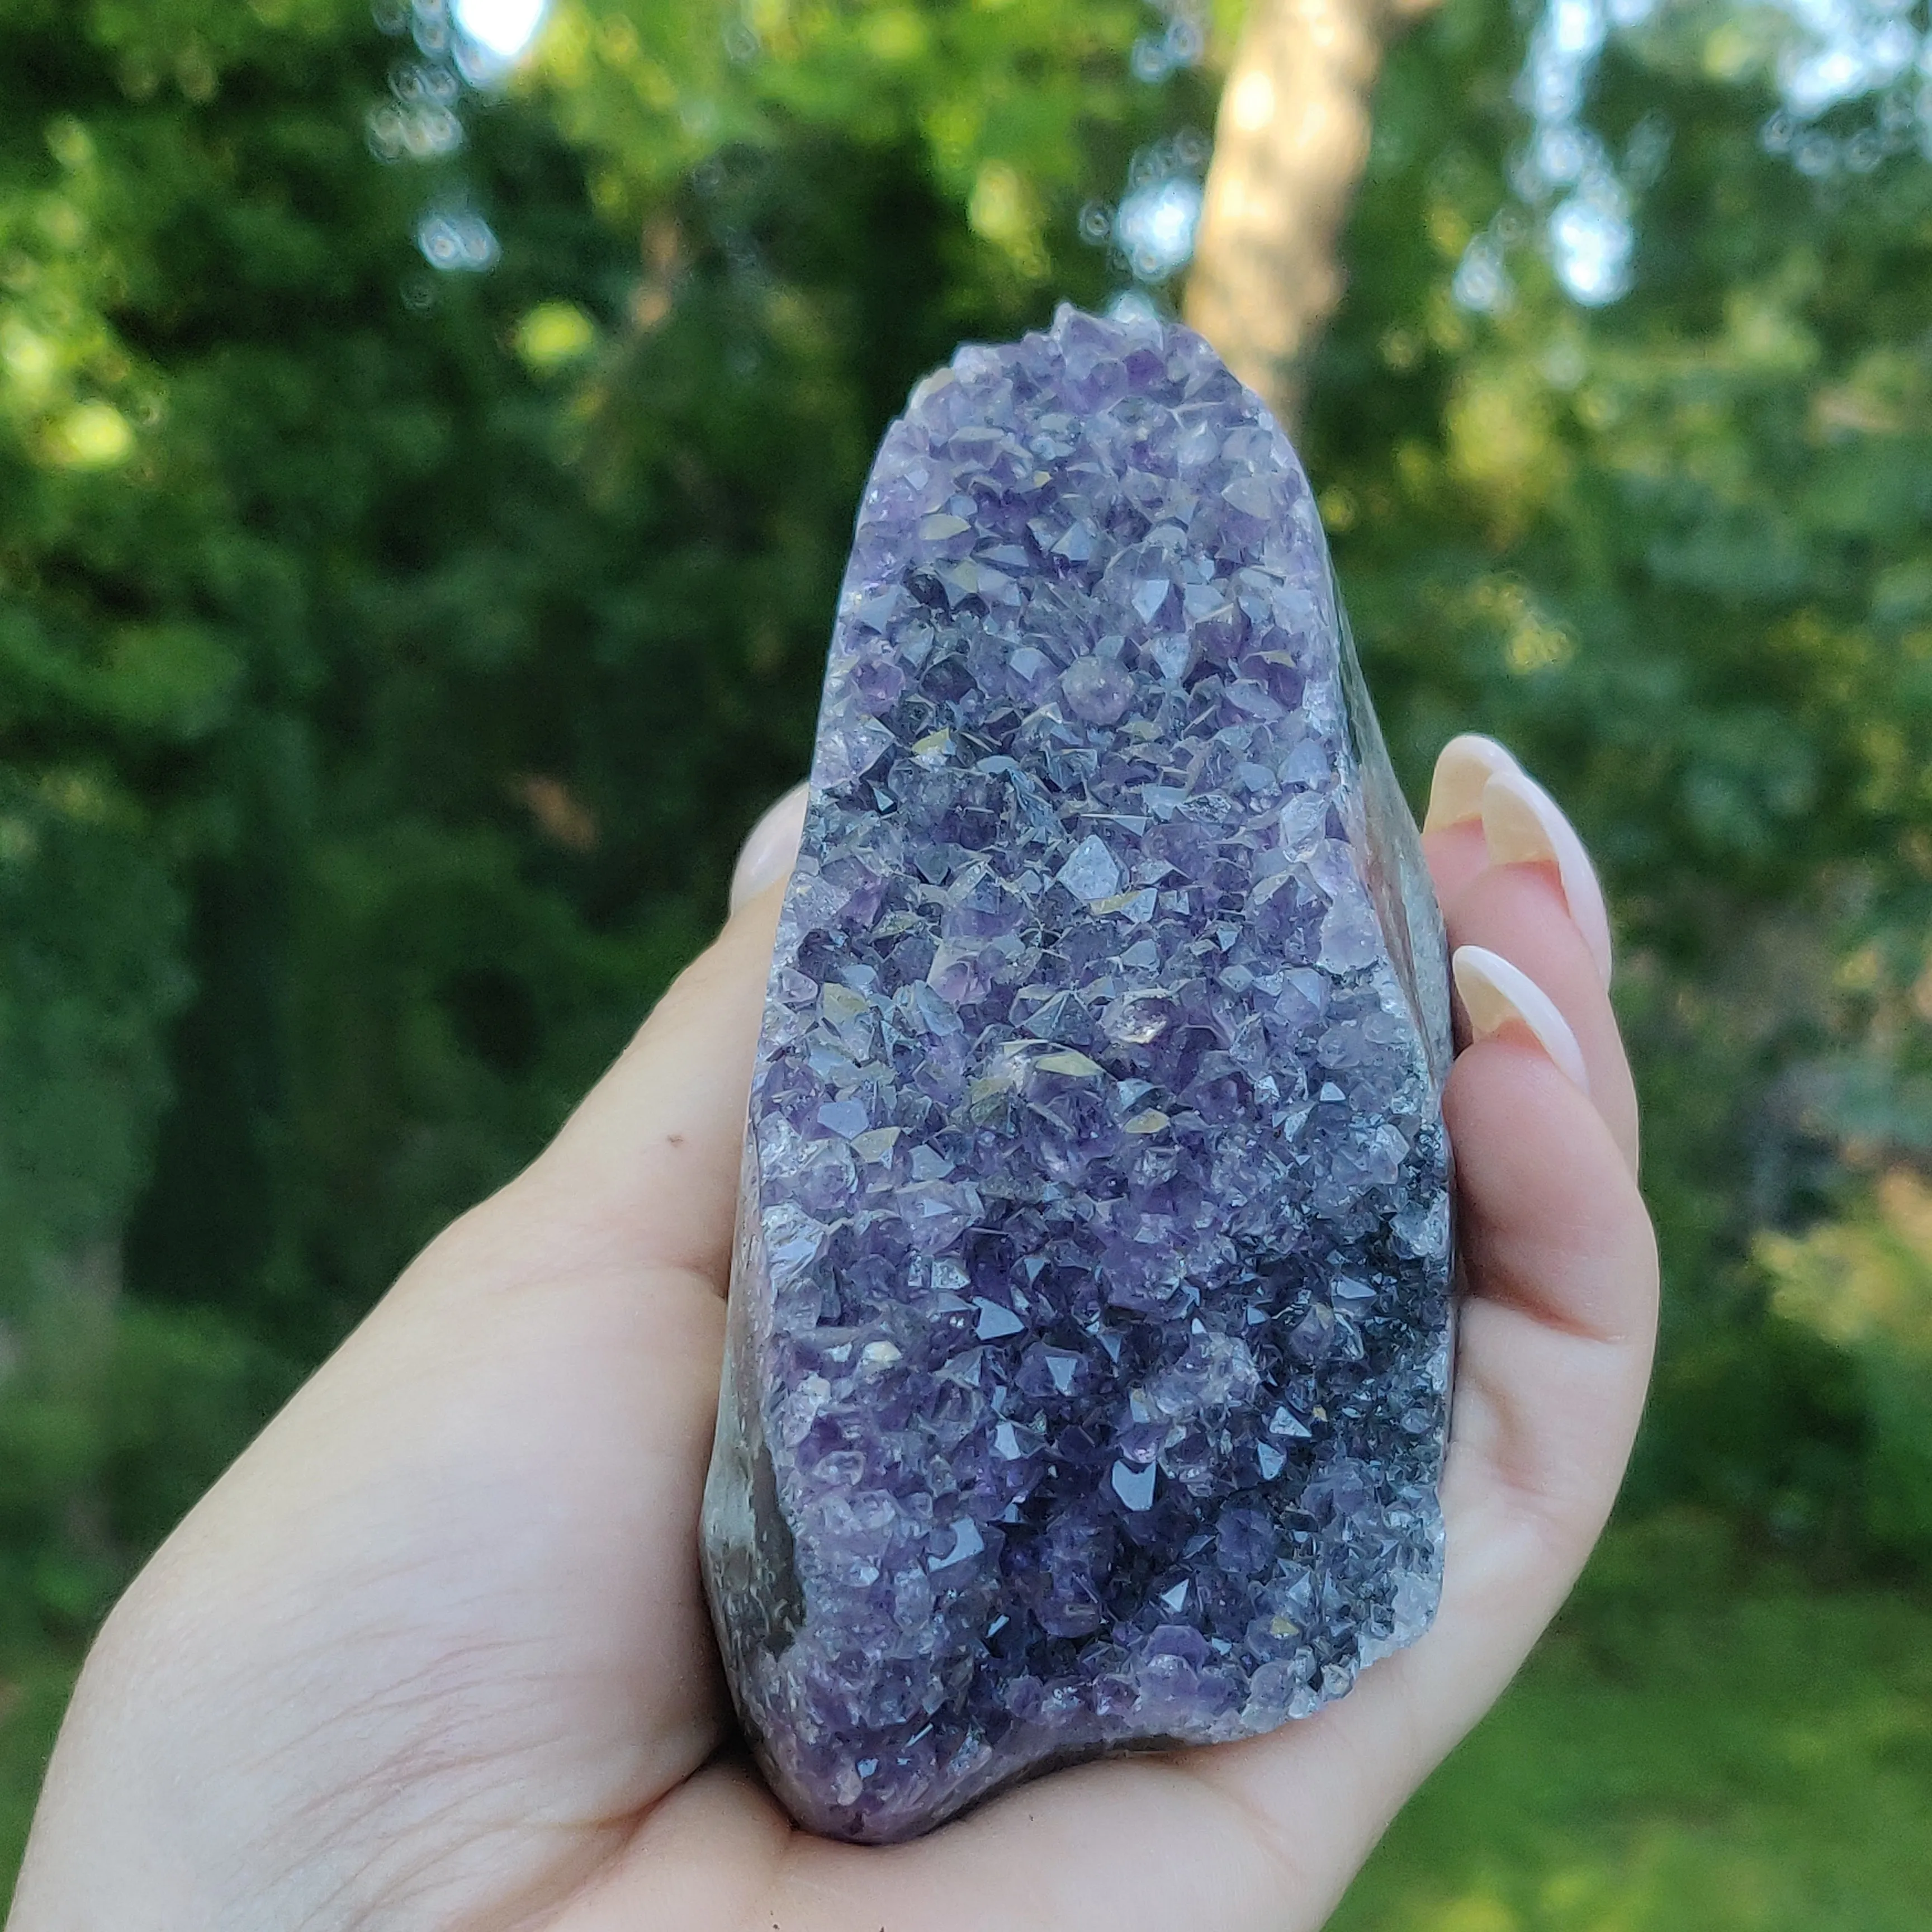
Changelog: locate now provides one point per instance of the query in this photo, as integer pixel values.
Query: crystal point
(1088, 1372)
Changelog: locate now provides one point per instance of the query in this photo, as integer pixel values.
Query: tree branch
(1291, 140)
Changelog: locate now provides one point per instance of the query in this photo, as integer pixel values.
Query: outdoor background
(425, 478)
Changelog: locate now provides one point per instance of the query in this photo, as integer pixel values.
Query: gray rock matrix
(1087, 1375)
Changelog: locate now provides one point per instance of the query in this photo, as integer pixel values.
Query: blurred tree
(1291, 139)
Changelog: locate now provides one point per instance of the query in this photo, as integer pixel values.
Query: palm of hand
(434, 1653)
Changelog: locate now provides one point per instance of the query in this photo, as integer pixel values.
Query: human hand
(434, 1653)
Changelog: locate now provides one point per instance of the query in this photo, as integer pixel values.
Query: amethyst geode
(1088, 1367)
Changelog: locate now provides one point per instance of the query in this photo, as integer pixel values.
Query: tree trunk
(1291, 141)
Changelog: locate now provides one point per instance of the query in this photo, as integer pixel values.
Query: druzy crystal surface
(1088, 1365)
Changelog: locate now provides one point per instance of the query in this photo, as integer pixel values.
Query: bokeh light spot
(92, 435)
(457, 242)
(1155, 227)
(554, 335)
(503, 28)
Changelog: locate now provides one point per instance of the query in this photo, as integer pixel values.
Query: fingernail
(1522, 822)
(1463, 767)
(770, 847)
(1494, 993)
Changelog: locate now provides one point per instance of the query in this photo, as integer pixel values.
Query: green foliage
(83, 998)
(113, 1424)
(1001, 101)
(1865, 1284)
(1676, 1760)
(30, 1715)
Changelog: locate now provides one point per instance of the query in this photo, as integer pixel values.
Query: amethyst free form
(1088, 1373)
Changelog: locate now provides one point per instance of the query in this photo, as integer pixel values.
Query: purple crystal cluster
(1088, 1369)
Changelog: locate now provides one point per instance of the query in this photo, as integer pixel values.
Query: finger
(1522, 825)
(1496, 997)
(770, 847)
(1484, 810)
(1551, 1223)
(1519, 913)
(1513, 880)
(1464, 767)
(1452, 827)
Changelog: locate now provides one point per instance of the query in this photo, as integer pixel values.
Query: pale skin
(434, 1653)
